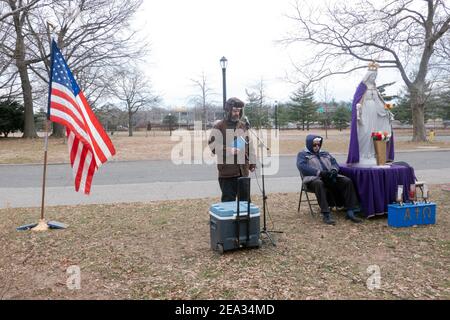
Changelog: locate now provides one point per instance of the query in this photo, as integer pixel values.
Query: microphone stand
(262, 145)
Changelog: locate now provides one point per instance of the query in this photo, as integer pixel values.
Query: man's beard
(234, 119)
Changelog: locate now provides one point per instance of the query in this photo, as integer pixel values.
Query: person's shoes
(351, 216)
(327, 219)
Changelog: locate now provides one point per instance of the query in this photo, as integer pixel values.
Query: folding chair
(310, 203)
(304, 189)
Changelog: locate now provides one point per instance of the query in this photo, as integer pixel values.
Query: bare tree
(5, 13)
(17, 52)
(94, 37)
(133, 92)
(257, 109)
(409, 35)
(326, 98)
(203, 98)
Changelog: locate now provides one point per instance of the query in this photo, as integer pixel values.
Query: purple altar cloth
(377, 187)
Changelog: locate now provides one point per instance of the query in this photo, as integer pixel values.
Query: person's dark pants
(341, 191)
(229, 187)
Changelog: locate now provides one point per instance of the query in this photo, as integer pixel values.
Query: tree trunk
(204, 117)
(130, 124)
(58, 130)
(29, 130)
(418, 115)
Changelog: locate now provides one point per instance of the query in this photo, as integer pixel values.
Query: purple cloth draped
(390, 148)
(353, 149)
(377, 187)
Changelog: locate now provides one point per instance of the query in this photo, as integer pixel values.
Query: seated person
(319, 171)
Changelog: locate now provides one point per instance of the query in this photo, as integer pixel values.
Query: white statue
(371, 116)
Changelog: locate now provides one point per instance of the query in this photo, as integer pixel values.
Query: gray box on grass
(224, 226)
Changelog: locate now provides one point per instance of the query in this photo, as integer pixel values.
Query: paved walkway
(147, 192)
(146, 181)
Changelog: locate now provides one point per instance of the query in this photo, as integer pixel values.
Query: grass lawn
(158, 146)
(162, 251)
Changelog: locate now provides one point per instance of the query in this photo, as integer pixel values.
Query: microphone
(247, 123)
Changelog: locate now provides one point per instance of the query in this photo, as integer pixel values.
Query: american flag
(89, 145)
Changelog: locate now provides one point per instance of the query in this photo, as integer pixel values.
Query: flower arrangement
(381, 136)
(388, 106)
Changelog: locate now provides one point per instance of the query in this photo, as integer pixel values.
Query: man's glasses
(316, 144)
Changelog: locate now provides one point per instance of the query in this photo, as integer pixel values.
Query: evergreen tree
(39, 118)
(433, 107)
(325, 113)
(303, 107)
(284, 115)
(12, 117)
(438, 103)
(256, 110)
(402, 110)
(170, 120)
(342, 118)
(444, 102)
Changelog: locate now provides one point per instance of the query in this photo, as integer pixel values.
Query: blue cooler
(230, 231)
(411, 214)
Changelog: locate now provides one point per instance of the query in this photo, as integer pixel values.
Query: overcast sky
(189, 37)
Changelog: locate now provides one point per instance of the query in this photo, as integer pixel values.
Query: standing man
(319, 171)
(229, 141)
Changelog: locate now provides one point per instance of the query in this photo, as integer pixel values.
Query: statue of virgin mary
(368, 115)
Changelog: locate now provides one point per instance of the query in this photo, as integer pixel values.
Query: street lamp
(170, 123)
(276, 115)
(224, 64)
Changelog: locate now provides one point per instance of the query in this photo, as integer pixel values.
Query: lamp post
(276, 115)
(224, 64)
(170, 123)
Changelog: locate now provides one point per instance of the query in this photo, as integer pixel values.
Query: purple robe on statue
(353, 150)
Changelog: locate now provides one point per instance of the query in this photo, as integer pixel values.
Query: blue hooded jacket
(310, 163)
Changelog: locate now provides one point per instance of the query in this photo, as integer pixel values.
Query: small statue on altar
(369, 114)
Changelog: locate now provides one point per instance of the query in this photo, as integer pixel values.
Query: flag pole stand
(43, 225)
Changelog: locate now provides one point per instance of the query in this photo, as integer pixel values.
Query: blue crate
(410, 214)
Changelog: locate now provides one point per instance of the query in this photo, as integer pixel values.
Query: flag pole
(42, 225)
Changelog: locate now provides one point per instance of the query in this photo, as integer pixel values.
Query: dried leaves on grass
(162, 251)
(159, 146)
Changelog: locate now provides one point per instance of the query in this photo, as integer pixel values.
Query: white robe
(372, 117)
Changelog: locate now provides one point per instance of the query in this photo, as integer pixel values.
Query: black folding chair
(333, 203)
(305, 190)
